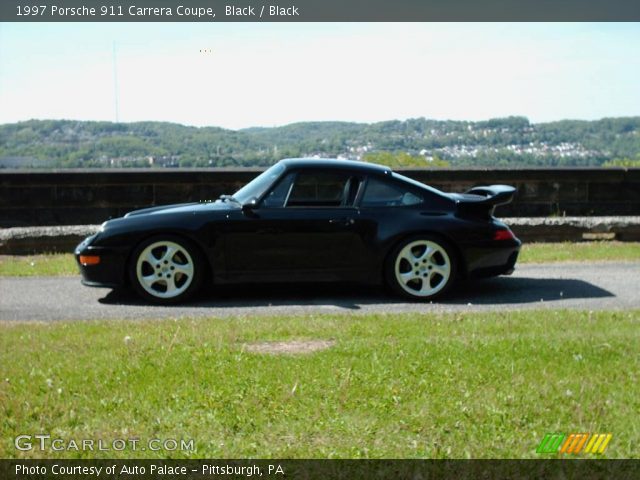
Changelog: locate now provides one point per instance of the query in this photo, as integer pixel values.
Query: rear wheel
(166, 269)
(421, 267)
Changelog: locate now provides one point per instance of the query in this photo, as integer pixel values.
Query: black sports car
(307, 220)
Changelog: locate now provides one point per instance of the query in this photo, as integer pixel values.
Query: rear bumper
(495, 258)
(109, 272)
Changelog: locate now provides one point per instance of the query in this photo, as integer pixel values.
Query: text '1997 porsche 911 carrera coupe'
(307, 220)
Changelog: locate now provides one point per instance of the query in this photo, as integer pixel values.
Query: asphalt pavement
(584, 286)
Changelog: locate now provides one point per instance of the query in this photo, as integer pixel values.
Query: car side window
(277, 197)
(384, 194)
(320, 189)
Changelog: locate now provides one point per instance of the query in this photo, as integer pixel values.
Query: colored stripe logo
(574, 443)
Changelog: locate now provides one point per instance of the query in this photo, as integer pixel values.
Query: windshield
(259, 185)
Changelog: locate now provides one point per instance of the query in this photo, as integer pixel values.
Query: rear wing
(482, 201)
(494, 194)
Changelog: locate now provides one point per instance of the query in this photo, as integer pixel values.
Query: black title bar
(318, 469)
(318, 10)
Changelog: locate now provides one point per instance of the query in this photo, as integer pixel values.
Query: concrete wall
(78, 197)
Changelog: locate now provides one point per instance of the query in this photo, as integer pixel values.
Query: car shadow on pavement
(501, 290)
(510, 290)
(341, 295)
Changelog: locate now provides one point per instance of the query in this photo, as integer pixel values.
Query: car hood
(184, 208)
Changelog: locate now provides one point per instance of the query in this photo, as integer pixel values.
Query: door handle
(342, 221)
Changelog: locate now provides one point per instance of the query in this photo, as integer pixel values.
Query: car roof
(364, 167)
(335, 164)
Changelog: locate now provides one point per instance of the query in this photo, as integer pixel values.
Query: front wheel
(421, 268)
(166, 269)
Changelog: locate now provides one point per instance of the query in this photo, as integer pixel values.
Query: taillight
(503, 235)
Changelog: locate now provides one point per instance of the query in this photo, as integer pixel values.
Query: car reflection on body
(307, 220)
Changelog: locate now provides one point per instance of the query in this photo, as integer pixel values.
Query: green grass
(579, 252)
(393, 386)
(64, 264)
(38, 265)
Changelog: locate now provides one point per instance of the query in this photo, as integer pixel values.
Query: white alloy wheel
(422, 268)
(165, 269)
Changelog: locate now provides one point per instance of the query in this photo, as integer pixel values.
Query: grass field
(64, 264)
(38, 265)
(484, 385)
(579, 252)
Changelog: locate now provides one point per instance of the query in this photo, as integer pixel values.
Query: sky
(238, 75)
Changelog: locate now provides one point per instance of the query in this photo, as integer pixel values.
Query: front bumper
(109, 272)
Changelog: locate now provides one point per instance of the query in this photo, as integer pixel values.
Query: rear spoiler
(495, 194)
(482, 201)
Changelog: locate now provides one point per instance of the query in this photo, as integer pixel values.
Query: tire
(422, 267)
(166, 269)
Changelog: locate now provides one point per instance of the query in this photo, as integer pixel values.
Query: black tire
(421, 267)
(166, 269)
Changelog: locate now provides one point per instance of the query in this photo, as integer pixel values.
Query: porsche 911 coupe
(307, 220)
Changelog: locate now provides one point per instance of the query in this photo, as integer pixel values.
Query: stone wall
(80, 197)
(33, 240)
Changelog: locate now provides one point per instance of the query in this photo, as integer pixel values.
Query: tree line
(508, 142)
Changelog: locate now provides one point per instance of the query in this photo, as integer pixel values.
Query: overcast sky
(266, 74)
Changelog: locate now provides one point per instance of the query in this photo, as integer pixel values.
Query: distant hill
(512, 141)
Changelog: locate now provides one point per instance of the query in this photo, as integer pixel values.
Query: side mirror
(249, 207)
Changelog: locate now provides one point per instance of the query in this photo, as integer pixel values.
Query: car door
(388, 209)
(304, 228)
